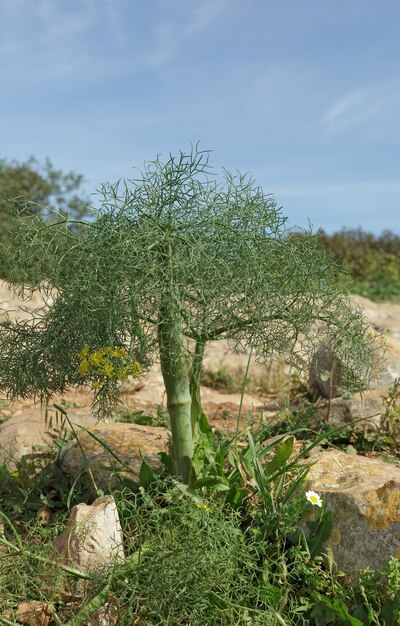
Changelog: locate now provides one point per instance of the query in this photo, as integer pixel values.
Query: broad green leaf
(338, 608)
(391, 612)
(283, 453)
(146, 475)
(166, 459)
(320, 531)
(270, 594)
(235, 496)
(195, 410)
(205, 429)
(218, 482)
(273, 445)
(219, 460)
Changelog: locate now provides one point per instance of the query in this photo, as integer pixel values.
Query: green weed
(144, 417)
(226, 550)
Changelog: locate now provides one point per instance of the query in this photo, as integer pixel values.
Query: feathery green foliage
(172, 260)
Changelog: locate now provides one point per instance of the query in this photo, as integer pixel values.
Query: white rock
(92, 537)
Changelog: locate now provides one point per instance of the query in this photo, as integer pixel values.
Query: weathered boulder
(325, 376)
(384, 316)
(129, 442)
(367, 406)
(364, 496)
(34, 613)
(385, 320)
(390, 369)
(27, 432)
(92, 537)
(91, 542)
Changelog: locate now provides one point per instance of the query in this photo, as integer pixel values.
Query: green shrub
(372, 261)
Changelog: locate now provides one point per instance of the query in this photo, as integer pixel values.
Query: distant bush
(34, 190)
(373, 262)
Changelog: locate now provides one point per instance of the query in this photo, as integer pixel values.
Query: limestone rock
(384, 318)
(364, 496)
(22, 434)
(27, 432)
(34, 613)
(129, 442)
(92, 537)
(366, 406)
(390, 369)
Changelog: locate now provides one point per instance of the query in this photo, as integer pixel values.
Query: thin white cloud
(204, 15)
(371, 109)
(346, 106)
(349, 111)
(50, 39)
(171, 34)
(43, 39)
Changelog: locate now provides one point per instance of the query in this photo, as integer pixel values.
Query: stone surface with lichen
(364, 496)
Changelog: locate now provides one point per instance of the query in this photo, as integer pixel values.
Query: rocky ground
(24, 421)
(363, 494)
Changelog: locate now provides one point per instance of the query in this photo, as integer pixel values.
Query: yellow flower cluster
(204, 506)
(106, 364)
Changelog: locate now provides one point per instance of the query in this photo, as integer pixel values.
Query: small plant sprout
(174, 259)
(314, 498)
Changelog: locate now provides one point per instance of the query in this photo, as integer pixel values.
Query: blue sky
(304, 94)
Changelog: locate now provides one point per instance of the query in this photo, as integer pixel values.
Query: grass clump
(377, 439)
(197, 564)
(35, 482)
(227, 550)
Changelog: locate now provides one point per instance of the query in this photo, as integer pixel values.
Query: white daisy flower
(314, 498)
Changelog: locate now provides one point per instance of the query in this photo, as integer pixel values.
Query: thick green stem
(195, 382)
(175, 373)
